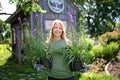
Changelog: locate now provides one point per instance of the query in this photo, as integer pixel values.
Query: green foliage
(111, 50)
(13, 71)
(118, 25)
(107, 52)
(108, 37)
(28, 5)
(80, 2)
(99, 16)
(34, 47)
(4, 30)
(109, 45)
(89, 43)
(4, 53)
(97, 51)
(80, 46)
(119, 73)
(96, 76)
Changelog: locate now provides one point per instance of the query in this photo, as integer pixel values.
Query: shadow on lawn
(13, 71)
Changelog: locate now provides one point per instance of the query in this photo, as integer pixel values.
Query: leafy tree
(79, 2)
(4, 30)
(99, 16)
(118, 25)
(28, 5)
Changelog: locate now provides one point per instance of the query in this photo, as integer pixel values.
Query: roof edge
(9, 20)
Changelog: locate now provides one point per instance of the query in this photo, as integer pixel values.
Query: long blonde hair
(63, 36)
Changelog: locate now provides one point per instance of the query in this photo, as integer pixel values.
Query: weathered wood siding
(68, 7)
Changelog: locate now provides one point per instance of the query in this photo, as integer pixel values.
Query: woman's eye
(60, 28)
(55, 27)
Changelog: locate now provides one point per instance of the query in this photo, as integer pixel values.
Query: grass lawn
(13, 71)
(9, 70)
(4, 53)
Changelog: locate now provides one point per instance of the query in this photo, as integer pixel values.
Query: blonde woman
(57, 42)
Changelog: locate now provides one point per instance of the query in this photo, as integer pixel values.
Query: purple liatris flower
(34, 31)
(70, 17)
(19, 19)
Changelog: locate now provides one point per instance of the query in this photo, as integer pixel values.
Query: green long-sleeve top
(60, 68)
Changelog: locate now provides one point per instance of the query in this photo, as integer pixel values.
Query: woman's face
(57, 30)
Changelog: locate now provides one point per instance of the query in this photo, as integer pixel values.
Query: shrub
(89, 43)
(96, 76)
(4, 53)
(97, 51)
(111, 50)
(109, 37)
(107, 52)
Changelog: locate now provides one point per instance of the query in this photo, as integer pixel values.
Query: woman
(57, 42)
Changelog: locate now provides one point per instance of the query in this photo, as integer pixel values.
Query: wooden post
(18, 42)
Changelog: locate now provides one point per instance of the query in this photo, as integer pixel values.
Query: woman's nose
(58, 28)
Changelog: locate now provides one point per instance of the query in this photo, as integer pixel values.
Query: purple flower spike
(70, 17)
(19, 19)
(34, 31)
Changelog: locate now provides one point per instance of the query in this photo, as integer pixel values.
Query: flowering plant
(34, 46)
(79, 51)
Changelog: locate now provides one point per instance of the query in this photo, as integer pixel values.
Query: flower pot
(47, 63)
(76, 65)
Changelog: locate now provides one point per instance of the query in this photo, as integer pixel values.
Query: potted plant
(78, 51)
(34, 46)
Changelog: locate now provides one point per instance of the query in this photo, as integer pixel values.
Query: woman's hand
(69, 43)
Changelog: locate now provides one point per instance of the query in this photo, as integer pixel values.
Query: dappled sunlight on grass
(13, 71)
(4, 53)
(96, 76)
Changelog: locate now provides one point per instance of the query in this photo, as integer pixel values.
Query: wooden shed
(56, 9)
